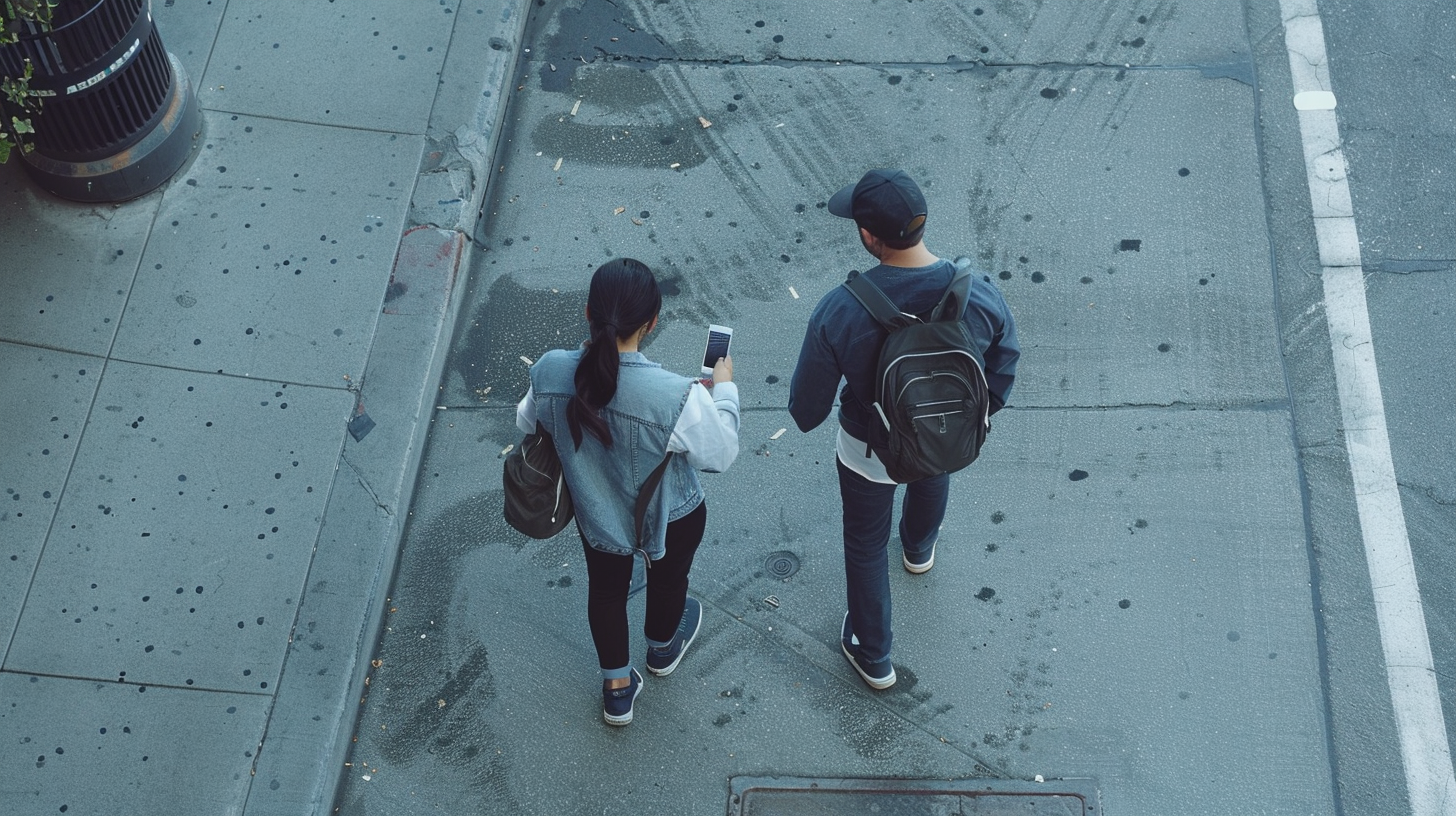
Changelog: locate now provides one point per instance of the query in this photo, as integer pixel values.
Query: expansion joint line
(954, 66)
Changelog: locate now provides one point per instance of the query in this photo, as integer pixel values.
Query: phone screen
(718, 342)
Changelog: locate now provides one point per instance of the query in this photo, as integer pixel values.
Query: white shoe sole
(918, 569)
(625, 719)
(673, 665)
(878, 683)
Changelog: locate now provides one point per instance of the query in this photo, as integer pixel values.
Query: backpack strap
(649, 487)
(951, 306)
(884, 310)
(953, 303)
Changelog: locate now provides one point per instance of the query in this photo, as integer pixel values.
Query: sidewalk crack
(1429, 491)
(1407, 267)
(364, 483)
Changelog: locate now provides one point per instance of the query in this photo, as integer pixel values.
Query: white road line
(1409, 670)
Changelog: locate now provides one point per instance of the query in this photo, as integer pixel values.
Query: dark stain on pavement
(633, 145)
(487, 353)
(428, 721)
(436, 689)
(598, 29)
(629, 141)
(628, 121)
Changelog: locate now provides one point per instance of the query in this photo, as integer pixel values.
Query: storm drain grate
(781, 564)
(790, 796)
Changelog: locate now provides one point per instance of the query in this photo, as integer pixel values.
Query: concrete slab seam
(828, 659)
(298, 121)
(105, 362)
(1410, 669)
(212, 46)
(1220, 70)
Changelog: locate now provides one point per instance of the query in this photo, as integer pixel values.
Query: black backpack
(537, 502)
(931, 403)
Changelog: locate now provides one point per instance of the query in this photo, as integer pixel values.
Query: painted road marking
(1409, 669)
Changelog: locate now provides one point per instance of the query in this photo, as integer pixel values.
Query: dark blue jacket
(843, 342)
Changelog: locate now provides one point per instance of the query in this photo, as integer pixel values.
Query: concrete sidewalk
(194, 548)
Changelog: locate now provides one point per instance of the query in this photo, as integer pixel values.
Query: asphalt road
(1397, 75)
(1395, 79)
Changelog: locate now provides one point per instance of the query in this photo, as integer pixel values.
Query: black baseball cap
(888, 203)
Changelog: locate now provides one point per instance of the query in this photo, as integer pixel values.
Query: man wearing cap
(842, 342)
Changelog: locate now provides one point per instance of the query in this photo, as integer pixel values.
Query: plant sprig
(14, 15)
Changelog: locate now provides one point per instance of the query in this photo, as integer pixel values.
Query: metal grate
(788, 796)
(80, 36)
(115, 115)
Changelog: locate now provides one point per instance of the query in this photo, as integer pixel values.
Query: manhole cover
(781, 564)
(789, 796)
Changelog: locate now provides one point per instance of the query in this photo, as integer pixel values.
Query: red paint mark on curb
(424, 271)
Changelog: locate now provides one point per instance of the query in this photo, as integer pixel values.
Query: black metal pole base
(139, 169)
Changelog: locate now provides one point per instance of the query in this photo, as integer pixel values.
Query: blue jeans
(868, 507)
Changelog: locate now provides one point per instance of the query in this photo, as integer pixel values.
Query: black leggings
(609, 578)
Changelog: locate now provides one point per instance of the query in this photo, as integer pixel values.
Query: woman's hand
(723, 370)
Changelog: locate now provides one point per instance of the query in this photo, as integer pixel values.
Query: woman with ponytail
(613, 416)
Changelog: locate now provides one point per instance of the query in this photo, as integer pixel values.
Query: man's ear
(874, 246)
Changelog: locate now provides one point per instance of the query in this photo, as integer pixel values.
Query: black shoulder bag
(537, 501)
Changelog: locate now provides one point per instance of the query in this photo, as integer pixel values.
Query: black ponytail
(623, 298)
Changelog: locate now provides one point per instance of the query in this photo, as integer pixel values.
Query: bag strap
(649, 487)
(953, 303)
(884, 310)
(950, 306)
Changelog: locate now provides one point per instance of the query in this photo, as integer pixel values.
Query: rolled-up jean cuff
(617, 674)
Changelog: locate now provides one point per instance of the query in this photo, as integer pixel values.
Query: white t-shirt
(851, 452)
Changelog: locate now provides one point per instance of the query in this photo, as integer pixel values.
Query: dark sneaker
(879, 675)
(617, 703)
(920, 564)
(661, 661)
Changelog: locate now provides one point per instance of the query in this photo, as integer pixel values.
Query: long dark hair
(623, 298)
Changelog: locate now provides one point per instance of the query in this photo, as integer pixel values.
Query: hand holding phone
(719, 339)
(722, 371)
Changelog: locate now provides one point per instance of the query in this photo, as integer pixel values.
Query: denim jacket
(604, 481)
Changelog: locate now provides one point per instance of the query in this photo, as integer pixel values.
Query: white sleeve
(707, 429)
(526, 413)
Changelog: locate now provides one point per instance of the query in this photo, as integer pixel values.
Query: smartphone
(719, 338)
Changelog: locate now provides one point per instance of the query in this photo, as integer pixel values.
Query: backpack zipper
(897, 360)
(932, 375)
(985, 414)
